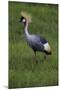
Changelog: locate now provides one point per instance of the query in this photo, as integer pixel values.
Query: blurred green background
(22, 71)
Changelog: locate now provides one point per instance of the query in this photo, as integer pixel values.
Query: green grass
(22, 71)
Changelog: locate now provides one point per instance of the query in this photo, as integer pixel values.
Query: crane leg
(45, 56)
(35, 53)
(35, 57)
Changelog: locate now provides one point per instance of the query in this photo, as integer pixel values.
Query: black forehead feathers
(22, 18)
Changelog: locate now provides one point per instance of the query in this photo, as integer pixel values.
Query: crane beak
(19, 20)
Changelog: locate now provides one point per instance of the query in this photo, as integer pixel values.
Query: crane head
(22, 19)
(25, 17)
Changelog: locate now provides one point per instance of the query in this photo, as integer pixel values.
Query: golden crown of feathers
(26, 15)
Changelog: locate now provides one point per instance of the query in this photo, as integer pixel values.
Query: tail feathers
(47, 49)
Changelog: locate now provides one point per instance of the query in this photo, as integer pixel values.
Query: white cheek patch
(47, 47)
(23, 20)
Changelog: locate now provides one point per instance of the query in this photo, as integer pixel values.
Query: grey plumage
(35, 43)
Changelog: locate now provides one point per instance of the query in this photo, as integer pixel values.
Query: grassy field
(22, 71)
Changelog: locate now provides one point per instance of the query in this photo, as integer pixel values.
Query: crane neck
(26, 28)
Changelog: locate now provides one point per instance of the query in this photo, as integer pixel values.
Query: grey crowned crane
(37, 43)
